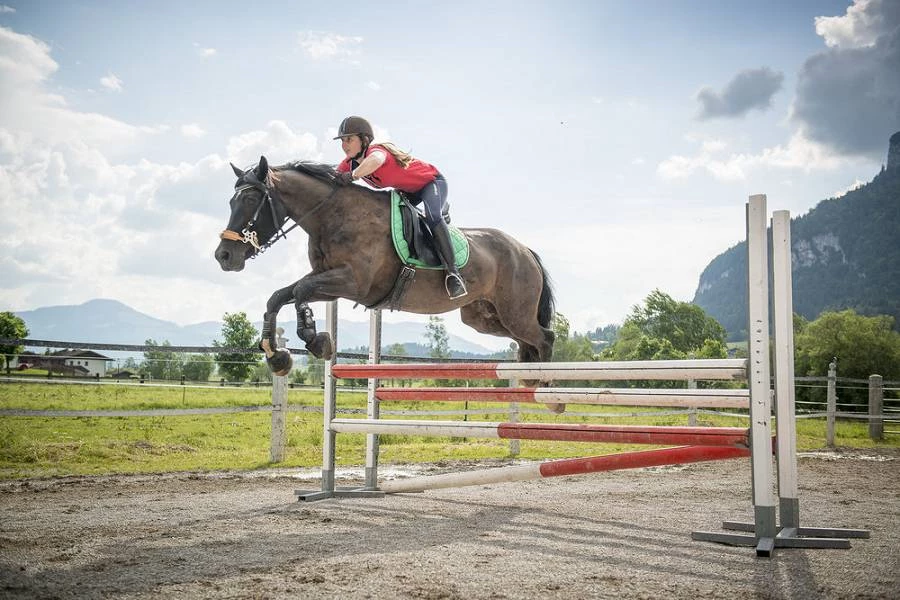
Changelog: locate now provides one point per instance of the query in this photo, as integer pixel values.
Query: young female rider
(384, 165)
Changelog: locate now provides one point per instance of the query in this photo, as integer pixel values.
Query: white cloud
(111, 82)
(799, 153)
(375, 87)
(205, 52)
(860, 27)
(4, 9)
(192, 130)
(278, 143)
(321, 45)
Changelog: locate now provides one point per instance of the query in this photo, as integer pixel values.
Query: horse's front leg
(319, 287)
(278, 359)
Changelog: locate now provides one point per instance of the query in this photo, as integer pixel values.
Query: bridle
(248, 235)
(269, 197)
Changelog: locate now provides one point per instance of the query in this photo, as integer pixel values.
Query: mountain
(105, 321)
(845, 254)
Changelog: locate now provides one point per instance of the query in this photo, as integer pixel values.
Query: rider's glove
(344, 178)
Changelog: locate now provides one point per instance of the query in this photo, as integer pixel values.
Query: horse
(353, 257)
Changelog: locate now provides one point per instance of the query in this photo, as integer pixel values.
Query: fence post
(876, 407)
(514, 446)
(831, 406)
(692, 411)
(279, 417)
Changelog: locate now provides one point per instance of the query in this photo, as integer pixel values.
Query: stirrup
(459, 288)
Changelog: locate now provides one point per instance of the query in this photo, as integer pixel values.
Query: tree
(237, 332)
(576, 348)
(438, 339)
(11, 327)
(664, 328)
(198, 367)
(862, 345)
(161, 362)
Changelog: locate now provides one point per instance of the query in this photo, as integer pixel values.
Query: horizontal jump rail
(566, 467)
(682, 398)
(572, 432)
(676, 370)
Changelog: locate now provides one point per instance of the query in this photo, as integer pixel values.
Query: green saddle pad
(402, 246)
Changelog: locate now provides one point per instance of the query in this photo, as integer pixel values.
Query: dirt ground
(615, 535)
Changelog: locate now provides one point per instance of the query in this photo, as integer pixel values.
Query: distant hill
(112, 322)
(845, 254)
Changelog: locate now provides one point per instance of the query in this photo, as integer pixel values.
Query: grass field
(54, 446)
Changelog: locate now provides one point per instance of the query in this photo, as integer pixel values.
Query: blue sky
(618, 140)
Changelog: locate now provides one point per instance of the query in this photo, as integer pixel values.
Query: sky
(618, 140)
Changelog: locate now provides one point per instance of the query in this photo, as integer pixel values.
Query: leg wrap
(306, 324)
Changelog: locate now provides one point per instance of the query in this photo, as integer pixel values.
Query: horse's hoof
(280, 362)
(556, 408)
(321, 346)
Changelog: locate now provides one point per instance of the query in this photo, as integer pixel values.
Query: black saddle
(417, 233)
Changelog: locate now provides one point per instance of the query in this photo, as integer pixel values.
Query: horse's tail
(547, 303)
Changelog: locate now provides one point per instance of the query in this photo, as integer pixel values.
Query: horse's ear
(262, 169)
(237, 171)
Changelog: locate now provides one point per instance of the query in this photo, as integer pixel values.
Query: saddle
(415, 247)
(413, 240)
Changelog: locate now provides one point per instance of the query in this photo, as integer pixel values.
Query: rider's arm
(369, 164)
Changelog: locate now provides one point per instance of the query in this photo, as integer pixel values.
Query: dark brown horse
(353, 257)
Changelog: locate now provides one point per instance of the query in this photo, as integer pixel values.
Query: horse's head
(255, 218)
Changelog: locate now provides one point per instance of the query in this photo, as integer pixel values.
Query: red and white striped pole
(573, 466)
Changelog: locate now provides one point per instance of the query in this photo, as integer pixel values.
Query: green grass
(55, 446)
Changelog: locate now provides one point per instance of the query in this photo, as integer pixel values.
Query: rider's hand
(345, 178)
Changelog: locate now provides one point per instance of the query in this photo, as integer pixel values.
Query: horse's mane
(321, 171)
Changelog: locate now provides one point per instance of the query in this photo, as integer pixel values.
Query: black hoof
(280, 362)
(321, 346)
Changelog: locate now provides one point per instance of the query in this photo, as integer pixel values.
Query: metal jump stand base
(341, 492)
(787, 537)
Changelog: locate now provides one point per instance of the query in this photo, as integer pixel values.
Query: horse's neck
(304, 198)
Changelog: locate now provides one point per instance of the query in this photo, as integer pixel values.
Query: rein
(269, 196)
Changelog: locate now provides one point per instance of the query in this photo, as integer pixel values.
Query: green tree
(570, 348)
(198, 367)
(11, 327)
(237, 332)
(438, 339)
(663, 328)
(862, 345)
(161, 362)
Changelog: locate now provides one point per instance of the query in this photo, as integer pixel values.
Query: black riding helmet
(356, 126)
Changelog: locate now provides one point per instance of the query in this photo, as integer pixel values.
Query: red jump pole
(572, 466)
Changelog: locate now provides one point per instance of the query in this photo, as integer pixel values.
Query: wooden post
(692, 411)
(279, 418)
(831, 406)
(876, 407)
(514, 445)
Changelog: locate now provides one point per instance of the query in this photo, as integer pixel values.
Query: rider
(384, 165)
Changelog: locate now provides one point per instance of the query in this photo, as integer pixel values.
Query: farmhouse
(86, 363)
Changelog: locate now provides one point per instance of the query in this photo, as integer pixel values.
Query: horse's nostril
(222, 255)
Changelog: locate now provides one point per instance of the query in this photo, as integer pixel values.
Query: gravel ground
(615, 535)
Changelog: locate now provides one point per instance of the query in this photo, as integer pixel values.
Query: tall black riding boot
(456, 288)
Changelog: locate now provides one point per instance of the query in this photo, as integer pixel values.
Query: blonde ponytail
(403, 158)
